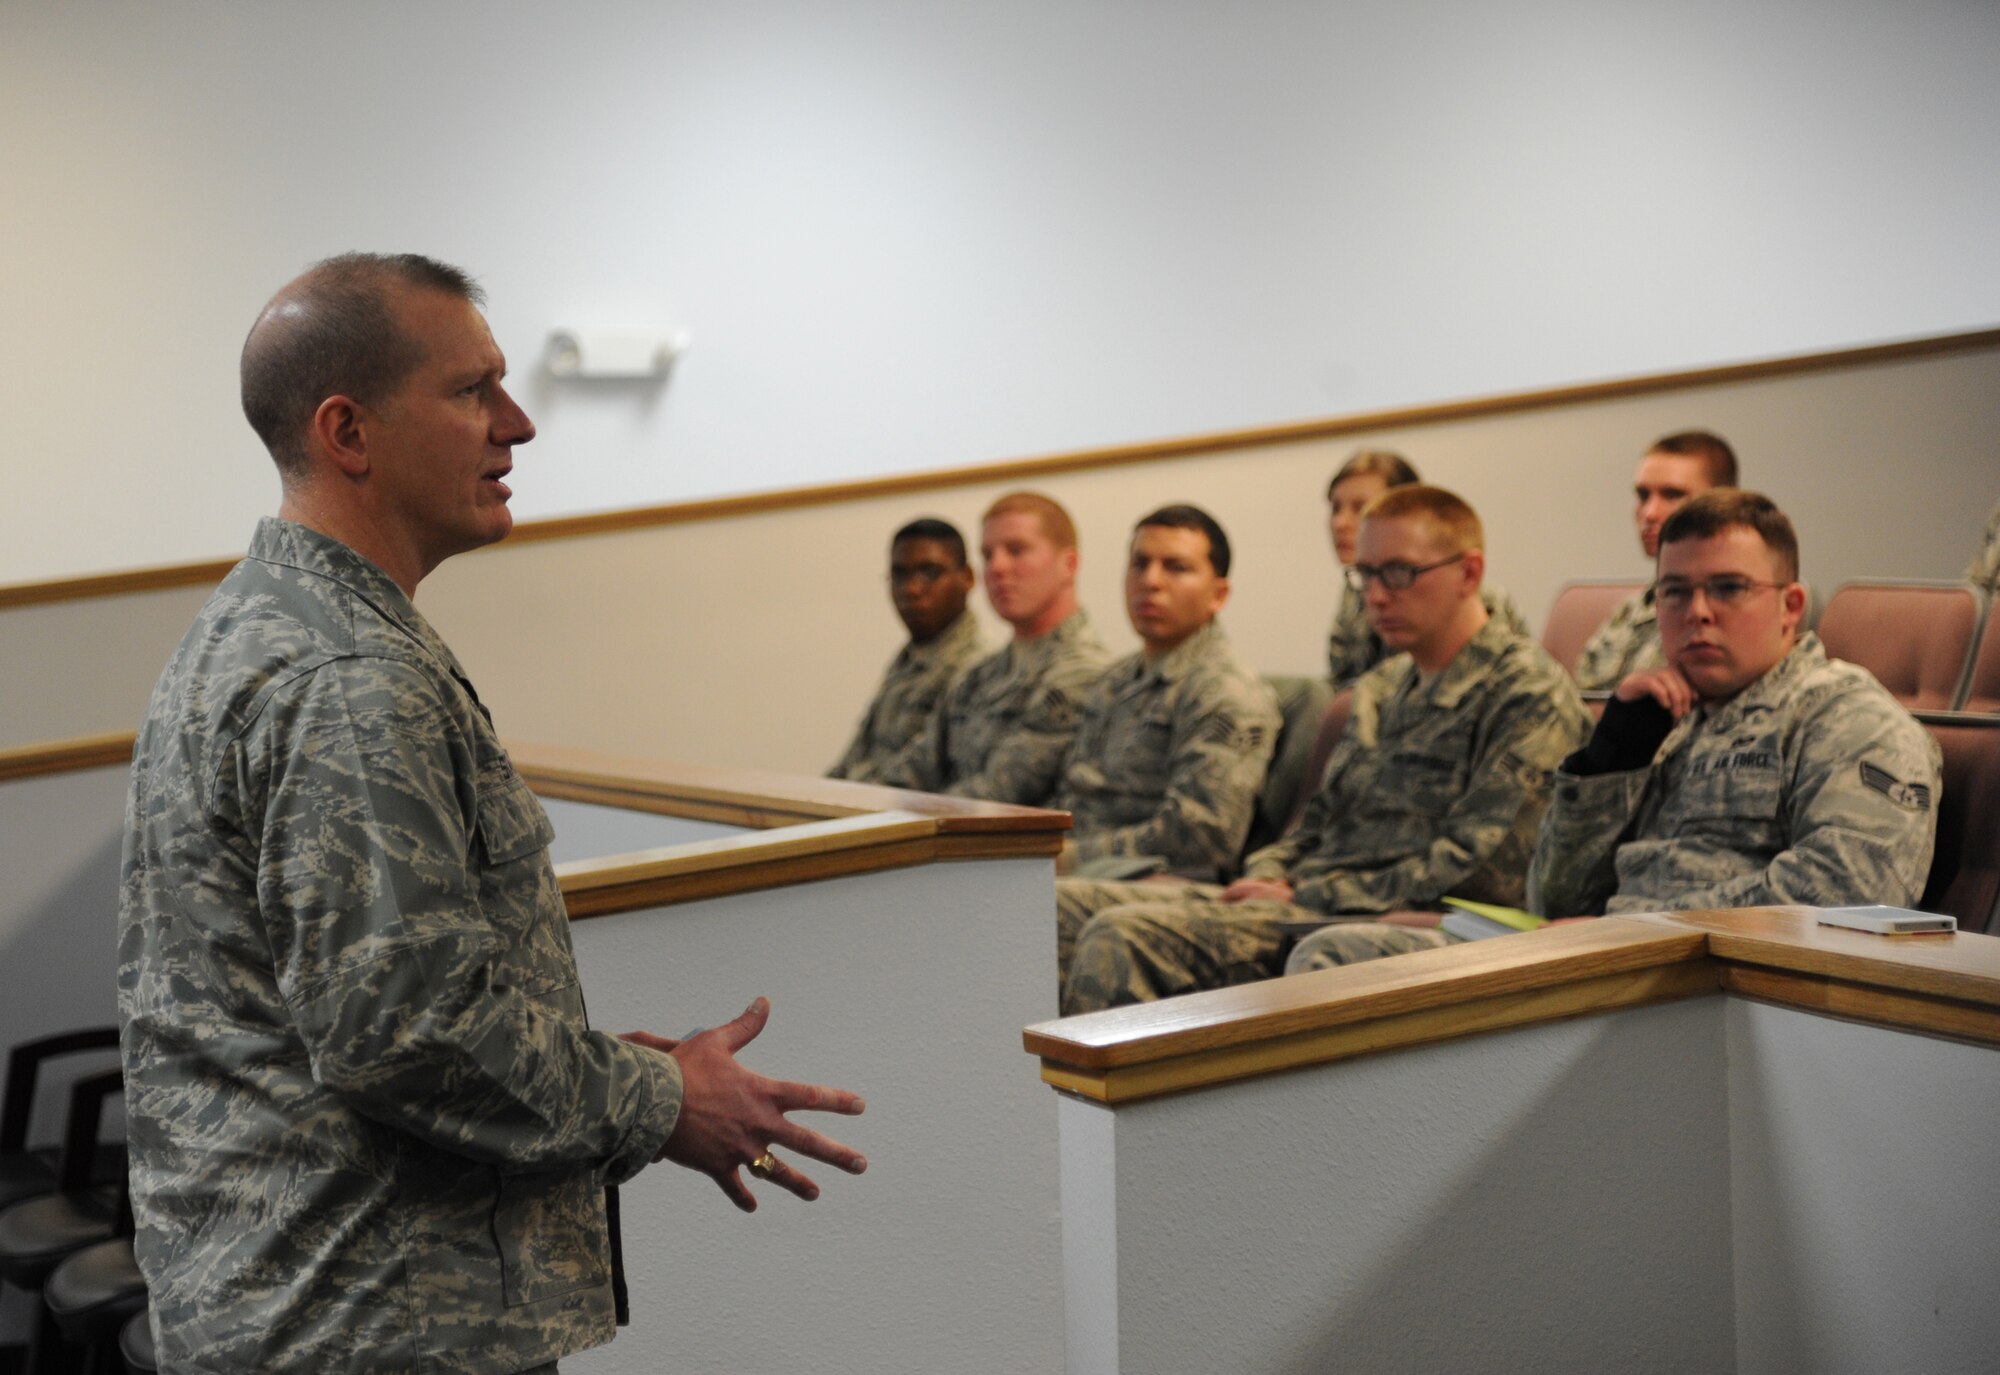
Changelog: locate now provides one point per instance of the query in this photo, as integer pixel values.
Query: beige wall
(757, 639)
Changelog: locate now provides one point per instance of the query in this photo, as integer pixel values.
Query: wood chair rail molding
(66, 756)
(1946, 986)
(209, 572)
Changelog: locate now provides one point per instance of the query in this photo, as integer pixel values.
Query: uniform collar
(1040, 648)
(1469, 667)
(1182, 658)
(1773, 687)
(287, 544)
(963, 630)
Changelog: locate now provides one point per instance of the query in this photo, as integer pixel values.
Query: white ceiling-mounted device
(628, 354)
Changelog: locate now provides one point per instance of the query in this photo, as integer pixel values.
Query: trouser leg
(1351, 942)
(1157, 949)
(1080, 899)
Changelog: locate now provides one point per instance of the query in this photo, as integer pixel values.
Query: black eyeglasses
(1394, 576)
(1677, 594)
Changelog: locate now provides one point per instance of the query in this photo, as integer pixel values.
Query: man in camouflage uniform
(1436, 786)
(929, 581)
(1985, 566)
(1007, 723)
(1352, 646)
(1176, 738)
(370, 1128)
(1677, 467)
(1752, 769)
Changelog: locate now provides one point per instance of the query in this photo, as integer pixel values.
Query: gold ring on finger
(764, 1166)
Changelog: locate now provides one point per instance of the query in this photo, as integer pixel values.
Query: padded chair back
(1578, 610)
(1332, 725)
(1982, 685)
(1302, 704)
(1914, 636)
(1965, 871)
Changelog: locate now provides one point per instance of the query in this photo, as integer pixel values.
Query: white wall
(1867, 1225)
(909, 236)
(910, 987)
(1552, 1199)
(1712, 1185)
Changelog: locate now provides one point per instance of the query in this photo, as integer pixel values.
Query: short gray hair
(334, 332)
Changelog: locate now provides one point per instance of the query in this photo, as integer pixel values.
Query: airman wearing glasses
(1750, 769)
(1436, 787)
(929, 581)
(1353, 647)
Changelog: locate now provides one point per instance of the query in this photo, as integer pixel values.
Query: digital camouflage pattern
(1985, 567)
(915, 683)
(1355, 942)
(369, 1126)
(1812, 785)
(1169, 757)
(1352, 648)
(1007, 723)
(1434, 789)
(1628, 642)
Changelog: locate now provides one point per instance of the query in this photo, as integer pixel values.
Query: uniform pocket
(550, 1230)
(512, 824)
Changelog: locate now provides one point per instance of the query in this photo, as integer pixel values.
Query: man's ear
(1070, 560)
(1793, 599)
(1474, 564)
(339, 431)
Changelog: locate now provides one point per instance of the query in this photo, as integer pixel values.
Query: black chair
(26, 1171)
(92, 1294)
(38, 1234)
(135, 1344)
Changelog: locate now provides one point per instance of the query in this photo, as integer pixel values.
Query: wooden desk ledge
(1204, 1039)
(758, 798)
(798, 829)
(1943, 986)
(1933, 985)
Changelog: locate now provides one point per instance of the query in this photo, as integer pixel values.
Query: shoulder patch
(1915, 796)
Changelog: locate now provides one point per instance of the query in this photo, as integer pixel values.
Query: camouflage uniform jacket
(1007, 723)
(917, 680)
(1985, 567)
(1170, 755)
(1626, 643)
(1812, 785)
(369, 1126)
(1352, 648)
(1434, 791)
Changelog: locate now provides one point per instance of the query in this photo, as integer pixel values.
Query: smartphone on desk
(1888, 921)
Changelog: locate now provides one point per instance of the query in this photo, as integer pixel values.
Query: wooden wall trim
(66, 756)
(1030, 469)
(1947, 987)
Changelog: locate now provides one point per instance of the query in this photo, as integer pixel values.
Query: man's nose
(510, 423)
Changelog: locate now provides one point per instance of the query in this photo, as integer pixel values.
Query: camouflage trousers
(1133, 942)
(1120, 943)
(1352, 942)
